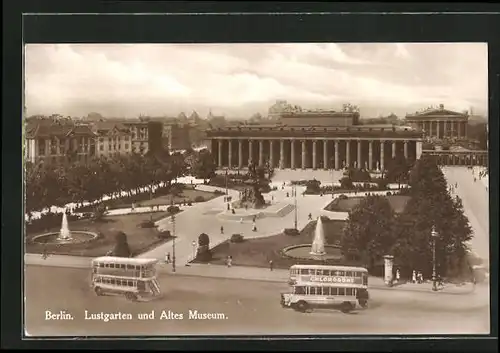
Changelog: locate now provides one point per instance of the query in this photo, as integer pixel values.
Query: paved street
(250, 307)
(475, 199)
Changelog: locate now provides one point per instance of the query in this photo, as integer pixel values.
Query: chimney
(441, 106)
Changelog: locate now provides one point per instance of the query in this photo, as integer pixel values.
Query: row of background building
(54, 138)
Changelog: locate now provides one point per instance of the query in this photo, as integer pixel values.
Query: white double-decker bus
(131, 277)
(326, 286)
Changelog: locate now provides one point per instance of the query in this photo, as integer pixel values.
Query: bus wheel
(98, 291)
(346, 307)
(302, 306)
(363, 303)
(131, 296)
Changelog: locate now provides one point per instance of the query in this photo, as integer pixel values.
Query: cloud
(241, 79)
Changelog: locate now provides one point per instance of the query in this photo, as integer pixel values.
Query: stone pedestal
(388, 265)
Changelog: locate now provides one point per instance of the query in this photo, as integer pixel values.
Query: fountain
(64, 236)
(317, 251)
(64, 233)
(318, 245)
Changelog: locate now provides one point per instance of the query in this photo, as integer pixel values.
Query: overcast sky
(242, 79)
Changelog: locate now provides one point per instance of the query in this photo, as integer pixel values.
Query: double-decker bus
(320, 285)
(131, 277)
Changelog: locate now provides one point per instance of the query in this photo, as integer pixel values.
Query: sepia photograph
(256, 189)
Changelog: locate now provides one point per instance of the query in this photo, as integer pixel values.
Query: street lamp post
(173, 243)
(194, 249)
(226, 180)
(434, 236)
(294, 190)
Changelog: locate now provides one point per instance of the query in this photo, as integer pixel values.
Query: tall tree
(368, 234)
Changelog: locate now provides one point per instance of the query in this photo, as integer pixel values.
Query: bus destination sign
(333, 279)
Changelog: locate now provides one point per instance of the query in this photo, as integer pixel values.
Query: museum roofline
(314, 131)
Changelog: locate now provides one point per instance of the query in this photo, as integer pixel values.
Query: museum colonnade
(320, 153)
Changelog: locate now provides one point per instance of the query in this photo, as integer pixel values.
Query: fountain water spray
(64, 233)
(318, 245)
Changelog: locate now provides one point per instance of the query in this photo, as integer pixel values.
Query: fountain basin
(303, 252)
(54, 238)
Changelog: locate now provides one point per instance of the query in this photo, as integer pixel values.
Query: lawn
(139, 239)
(258, 252)
(398, 203)
(188, 195)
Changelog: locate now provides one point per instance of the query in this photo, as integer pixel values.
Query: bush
(388, 193)
(346, 183)
(199, 198)
(190, 203)
(164, 234)
(291, 231)
(203, 240)
(236, 238)
(147, 224)
(313, 187)
(173, 209)
(343, 197)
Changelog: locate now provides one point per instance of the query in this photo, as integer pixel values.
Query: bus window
(325, 291)
(312, 272)
(348, 274)
(341, 291)
(348, 291)
(334, 291)
(341, 273)
(141, 285)
(304, 271)
(300, 290)
(130, 283)
(357, 274)
(365, 280)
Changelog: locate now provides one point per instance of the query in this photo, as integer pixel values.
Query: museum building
(317, 139)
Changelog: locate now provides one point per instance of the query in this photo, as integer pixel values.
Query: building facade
(440, 123)
(139, 135)
(465, 158)
(112, 138)
(318, 141)
(58, 141)
(177, 136)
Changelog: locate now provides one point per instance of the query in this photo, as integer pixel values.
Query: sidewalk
(279, 275)
(238, 272)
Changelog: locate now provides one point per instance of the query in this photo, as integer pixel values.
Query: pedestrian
(272, 198)
(241, 220)
(398, 275)
(221, 229)
(133, 206)
(414, 276)
(229, 261)
(270, 265)
(167, 259)
(310, 216)
(419, 277)
(287, 194)
(254, 228)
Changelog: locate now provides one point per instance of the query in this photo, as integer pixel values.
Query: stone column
(336, 154)
(314, 155)
(250, 150)
(261, 152)
(382, 149)
(446, 129)
(370, 155)
(348, 153)
(282, 154)
(419, 149)
(220, 154)
(230, 154)
(240, 154)
(325, 154)
(388, 267)
(393, 149)
(358, 150)
(437, 130)
(406, 149)
(465, 129)
(292, 150)
(303, 154)
(271, 153)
